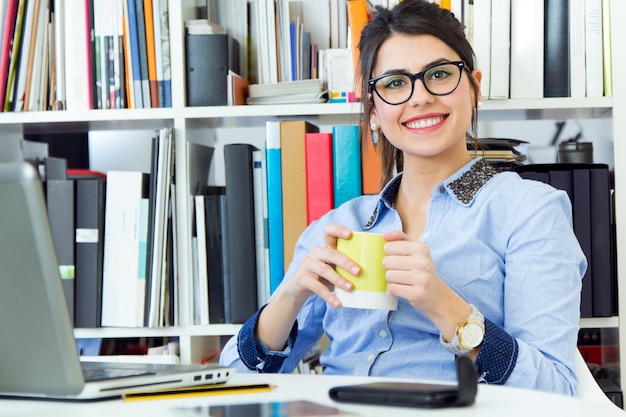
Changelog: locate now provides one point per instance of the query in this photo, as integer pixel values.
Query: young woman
(484, 264)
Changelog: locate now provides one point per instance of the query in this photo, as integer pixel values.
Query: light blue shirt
(505, 244)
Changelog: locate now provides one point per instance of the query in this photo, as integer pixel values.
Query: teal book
(346, 163)
(274, 204)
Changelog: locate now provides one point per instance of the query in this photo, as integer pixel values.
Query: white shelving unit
(200, 124)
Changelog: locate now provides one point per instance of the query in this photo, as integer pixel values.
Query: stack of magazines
(290, 92)
(503, 154)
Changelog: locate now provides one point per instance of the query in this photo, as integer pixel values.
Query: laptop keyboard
(102, 374)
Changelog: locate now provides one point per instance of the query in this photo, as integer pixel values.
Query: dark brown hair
(411, 17)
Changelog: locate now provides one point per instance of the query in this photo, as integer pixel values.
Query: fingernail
(354, 270)
(347, 285)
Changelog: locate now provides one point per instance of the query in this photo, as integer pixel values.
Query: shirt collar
(462, 186)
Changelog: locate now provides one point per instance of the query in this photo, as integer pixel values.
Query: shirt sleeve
(498, 355)
(255, 354)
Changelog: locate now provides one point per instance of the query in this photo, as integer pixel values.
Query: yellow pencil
(197, 391)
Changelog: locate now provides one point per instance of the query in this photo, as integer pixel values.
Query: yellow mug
(370, 287)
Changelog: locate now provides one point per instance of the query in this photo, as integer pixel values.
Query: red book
(7, 39)
(319, 174)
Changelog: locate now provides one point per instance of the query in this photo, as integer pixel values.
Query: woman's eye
(439, 74)
(394, 82)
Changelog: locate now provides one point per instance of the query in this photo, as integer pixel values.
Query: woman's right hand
(316, 273)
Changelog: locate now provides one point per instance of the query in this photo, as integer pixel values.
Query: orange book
(357, 19)
(293, 162)
(445, 4)
(371, 167)
(152, 76)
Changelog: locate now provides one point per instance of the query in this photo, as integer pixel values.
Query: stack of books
(290, 92)
(503, 154)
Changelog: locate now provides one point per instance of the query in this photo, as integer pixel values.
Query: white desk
(493, 401)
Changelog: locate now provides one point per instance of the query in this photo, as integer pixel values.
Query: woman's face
(426, 125)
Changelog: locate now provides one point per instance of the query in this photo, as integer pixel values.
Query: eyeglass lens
(398, 88)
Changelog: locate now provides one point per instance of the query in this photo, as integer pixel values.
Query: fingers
(334, 231)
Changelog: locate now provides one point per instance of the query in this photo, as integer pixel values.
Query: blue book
(134, 54)
(274, 204)
(346, 163)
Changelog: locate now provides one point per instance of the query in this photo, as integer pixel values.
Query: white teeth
(420, 124)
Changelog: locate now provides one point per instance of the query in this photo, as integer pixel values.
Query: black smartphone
(414, 394)
(406, 394)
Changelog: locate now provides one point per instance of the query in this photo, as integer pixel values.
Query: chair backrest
(588, 389)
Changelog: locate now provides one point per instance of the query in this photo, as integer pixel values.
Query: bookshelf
(202, 124)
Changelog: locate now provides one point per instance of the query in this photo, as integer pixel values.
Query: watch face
(471, 335)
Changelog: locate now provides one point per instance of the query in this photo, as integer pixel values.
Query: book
(293, 167)
(160, 200)
(371, 167)
(259, 177)
(581, 205)
(143, 53)
(134, 54)
(14, 58)
(556, 49)
(527, 54)
(165, 58)
(481, 42)
(8, 28)
(25, 69)
(346, 163)
(242, 280)
(274, 203)
(357, 19)
(500, 49)
(151, 53)
(121, 287)
(319, 174)
(89, 206)
(207, 79)
(76, 64)
(593, 48)
(576, 30)
(201, 283)
(60, 204)
(602, 242)
(607, 61)
(217, 255)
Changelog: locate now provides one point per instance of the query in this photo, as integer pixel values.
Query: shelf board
(601, 322)
(546, 108)
(131, 332)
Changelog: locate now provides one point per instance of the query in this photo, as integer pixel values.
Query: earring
(479, 104)
(374, 130)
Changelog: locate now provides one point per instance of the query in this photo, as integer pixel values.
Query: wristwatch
(469, 334)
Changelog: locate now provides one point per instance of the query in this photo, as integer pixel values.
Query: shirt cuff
(497, 356)
(255, 354)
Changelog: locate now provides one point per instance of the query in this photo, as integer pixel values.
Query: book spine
(260, 225)
(593, 48)
(274, 204)
(582, 228)
(482, 43)
(346, 163)
(371, 167)
(151, 52)
(143, 53)
(215, 222)
(319, 174)
(90, 200)
(500, 49)
(242, 279)
(556, 46)
(60, 204)
(124, 192)
(293, 161)
(576, 29)
(527, 48)
(202, 290)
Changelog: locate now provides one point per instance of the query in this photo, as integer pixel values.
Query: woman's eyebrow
(430, 64)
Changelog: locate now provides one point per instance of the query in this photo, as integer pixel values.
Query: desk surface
(491, 401)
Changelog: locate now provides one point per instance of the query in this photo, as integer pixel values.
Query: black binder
(208, 59)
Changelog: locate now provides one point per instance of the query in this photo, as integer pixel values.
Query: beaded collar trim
(467, 185)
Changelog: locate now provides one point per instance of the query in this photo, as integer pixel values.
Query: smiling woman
(484, 264)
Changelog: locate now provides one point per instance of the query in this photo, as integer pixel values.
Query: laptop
(38, 353)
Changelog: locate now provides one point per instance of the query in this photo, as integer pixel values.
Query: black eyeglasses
(438, 79)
